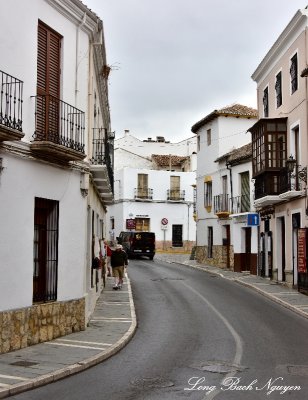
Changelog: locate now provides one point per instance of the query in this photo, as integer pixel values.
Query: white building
(280, 156)
(55, 168)
(224, 192)
(154, 182)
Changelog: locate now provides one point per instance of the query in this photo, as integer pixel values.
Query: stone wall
(40, 323)
(219, 258)
(166, 246)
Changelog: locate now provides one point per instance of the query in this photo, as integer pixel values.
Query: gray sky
(175, 61)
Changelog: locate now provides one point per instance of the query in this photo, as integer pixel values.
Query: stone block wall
(219, 258)
(166, 246)
(40, 323)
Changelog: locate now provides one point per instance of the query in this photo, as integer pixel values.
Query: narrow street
(195, 331)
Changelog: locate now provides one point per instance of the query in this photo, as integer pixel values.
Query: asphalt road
(199, 337)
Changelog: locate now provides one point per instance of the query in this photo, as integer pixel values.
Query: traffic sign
(253, 219)
(164, 221)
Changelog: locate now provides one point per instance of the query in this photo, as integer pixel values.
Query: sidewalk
(112, 325)
(287, 297)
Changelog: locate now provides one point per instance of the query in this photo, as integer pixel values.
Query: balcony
(240, 204)
(59, 130)
(10, 108)
(175, 195)
(102, 163)
(222, 206)
(276, 187)
(143, 194)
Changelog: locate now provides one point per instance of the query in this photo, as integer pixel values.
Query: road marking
(238, 340)
(75, 345)
(81, 341)
(288, 293)
(13, 377)
(111, 320)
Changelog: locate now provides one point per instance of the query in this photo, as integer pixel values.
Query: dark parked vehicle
(138, 243)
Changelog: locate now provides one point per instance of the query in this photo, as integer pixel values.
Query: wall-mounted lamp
(299, 173)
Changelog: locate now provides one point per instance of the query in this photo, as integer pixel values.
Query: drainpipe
(82, 22)
(231, 183)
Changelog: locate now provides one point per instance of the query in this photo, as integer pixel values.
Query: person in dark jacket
(118, 261)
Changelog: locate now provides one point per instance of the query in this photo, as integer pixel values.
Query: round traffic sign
(164, 221)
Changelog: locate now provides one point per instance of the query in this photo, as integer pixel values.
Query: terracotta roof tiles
(234, 110)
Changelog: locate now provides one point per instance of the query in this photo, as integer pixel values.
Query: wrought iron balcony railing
(11, 101)
(222, 204)
(240, 204)
(102, 151)
(175, 195)
(291, 181)
(144, 193)
(59, 123)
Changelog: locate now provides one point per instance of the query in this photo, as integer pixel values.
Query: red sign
(301, 251)
(130, 224)
(164, 221)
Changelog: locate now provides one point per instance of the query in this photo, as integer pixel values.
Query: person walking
(118, 261)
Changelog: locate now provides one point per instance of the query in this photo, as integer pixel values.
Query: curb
(251, 286)
(80, 366)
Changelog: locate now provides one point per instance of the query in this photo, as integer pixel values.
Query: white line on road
(238, 340)
(19, 378)
(288, 293)
(82, 341)
(110, 320)
(75, 345)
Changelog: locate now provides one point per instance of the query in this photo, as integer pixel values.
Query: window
(210, 242)
(175, 192)
(278, 88)
(142, 224)
(198, 143)
(245, 192)
(265, 102)
(225, 197)
(142, 190)
(48, 83)
(208, 194)
(209, 137)
(45, 248)
(294, 74)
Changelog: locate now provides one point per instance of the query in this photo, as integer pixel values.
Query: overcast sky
(175, 61)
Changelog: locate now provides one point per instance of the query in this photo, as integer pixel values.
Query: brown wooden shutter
(48, 83)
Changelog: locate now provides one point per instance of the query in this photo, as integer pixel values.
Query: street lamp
(299, 173)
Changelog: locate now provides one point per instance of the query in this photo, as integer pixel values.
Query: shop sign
(301, 250)
(130, 223)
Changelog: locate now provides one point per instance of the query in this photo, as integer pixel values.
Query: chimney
(126, 132)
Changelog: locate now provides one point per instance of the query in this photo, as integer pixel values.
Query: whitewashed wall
(20, 182)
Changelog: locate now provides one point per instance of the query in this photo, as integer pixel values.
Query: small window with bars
(278, 88)
(294, 73)
(208, 194)
(265, 102)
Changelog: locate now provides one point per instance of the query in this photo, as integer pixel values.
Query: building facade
(225, 237)
(154, 190)
(279, 141)
(56, 174)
